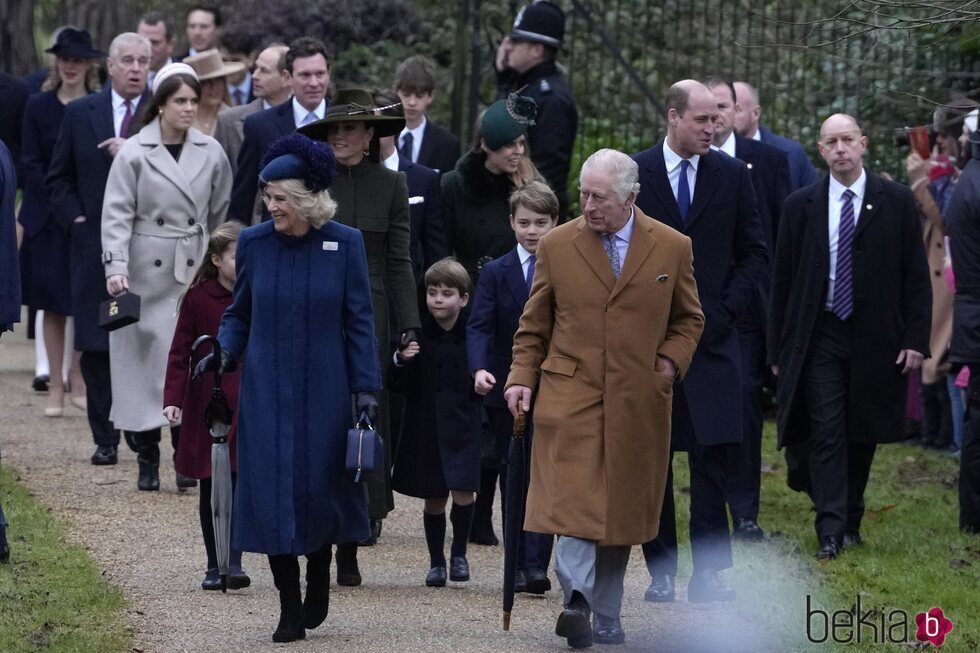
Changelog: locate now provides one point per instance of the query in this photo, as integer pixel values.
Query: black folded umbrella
(517, 481)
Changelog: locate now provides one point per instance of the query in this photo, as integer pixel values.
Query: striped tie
(843, 291)
(609, 240)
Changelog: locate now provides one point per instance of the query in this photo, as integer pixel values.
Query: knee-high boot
(285, 573)
(348, 574)
(482, 529)
(317, 602)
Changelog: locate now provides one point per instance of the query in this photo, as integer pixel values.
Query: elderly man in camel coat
(612, 322)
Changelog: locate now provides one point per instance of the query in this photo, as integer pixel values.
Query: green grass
(52, 595)
(914, 557)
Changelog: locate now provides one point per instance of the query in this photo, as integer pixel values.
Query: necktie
(683, 191)
(239, 96)
(127, 118)
(530, 272)
(406, 148)
(609, 241)
(310, 117)
(843, 297)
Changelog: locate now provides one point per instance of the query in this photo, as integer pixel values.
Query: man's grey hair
(620, 167)
(128, 38)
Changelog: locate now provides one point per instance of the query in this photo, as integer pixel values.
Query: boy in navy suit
(501, 293)
(422, 141)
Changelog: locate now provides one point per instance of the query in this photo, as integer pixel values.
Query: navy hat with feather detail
(295, 156)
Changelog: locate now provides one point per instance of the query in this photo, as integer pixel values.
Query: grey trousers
(596, 572)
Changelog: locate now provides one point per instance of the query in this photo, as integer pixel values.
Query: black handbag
(119, 311)
(365, 451)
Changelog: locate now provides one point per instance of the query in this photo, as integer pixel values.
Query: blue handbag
(365, 451)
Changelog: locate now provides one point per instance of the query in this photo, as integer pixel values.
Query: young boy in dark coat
(498, 302)
(439, 450)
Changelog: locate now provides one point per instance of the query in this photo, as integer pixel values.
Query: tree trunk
(103, 19)
(17, 53)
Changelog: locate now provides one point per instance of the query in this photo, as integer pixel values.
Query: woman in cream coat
(167, 187)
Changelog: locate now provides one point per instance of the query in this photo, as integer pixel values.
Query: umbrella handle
(520, 422)
(216, 350)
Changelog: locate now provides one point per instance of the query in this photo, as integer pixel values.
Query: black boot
(462, 519)
(149, 464)
(317, 602)
(482, 529)
(435, 540)
(348, 574)
(285, 573)
(4, 546)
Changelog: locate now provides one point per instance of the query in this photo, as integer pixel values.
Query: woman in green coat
(374, 200)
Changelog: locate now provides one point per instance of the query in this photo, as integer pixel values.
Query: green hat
(505, 120)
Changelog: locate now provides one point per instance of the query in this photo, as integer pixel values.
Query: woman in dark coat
(477, 213)
(373, 200)
(44, 252)
(302, 305)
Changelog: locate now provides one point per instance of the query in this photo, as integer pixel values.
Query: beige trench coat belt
(191, 245)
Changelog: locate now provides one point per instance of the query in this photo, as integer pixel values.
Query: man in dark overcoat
(709, 197)
(93, 130)
(849, 317)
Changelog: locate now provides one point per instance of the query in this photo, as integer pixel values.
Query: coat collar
(817, 205)
(705, 185)
(589, 245)
(193, 156)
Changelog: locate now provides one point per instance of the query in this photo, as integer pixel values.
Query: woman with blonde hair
(212, 72)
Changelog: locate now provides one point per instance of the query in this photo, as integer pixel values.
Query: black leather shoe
(661, 589)
(707, 586)
(459, 569)
(148, 461)
(483, 537)
(611, 633)
(184, 482)
(105, 455)
(238, 579)
(852, 539)
(537, 581)
(372, 539)
(212, 580)
(747, 530)
(41, 382)
(573, 624)
(436, 577)
(520, 582)
(348, 573)
(829, 548)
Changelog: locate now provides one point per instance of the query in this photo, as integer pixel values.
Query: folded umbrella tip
(506, 620)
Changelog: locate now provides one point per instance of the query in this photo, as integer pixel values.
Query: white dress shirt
(834, 205)
(300, 112)
(673, 161)
(621, 239)
(392, 161)
(417, 134)
(728, 147)
(119, 111)
(757, 136)
(525, 257)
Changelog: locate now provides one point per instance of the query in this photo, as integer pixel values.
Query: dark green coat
(374, 200)
(477, 213)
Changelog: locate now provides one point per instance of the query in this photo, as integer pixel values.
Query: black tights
(207, 527)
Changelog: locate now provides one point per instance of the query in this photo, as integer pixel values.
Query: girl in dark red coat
(186, 399)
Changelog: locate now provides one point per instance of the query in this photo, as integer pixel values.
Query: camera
(921, 139)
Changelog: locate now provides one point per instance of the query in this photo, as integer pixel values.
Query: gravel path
(149, 545)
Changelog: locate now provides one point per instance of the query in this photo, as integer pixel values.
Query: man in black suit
(155, 26)
(769, 171)
(709, 197)
(309, 77)
(92, 131)
(422, 141)
(849, 317)
(202, 26)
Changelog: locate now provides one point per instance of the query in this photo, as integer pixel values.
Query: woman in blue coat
(44, 252)
(302, 305)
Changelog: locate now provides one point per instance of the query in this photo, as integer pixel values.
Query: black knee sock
(207, 526)
(462, 519)
(435, 537)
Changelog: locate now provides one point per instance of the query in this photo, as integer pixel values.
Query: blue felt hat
(295, 156)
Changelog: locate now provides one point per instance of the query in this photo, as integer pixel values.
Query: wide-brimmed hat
(505, 120)
(74, 43)
(354, 105)
(210, 65)
(540, 22)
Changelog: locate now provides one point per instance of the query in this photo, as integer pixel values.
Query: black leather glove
(209, 364)
(367, 404)
(407, 336)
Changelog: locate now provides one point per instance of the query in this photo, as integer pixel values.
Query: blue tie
(530, 272)
(407, 147)
(843, 292)
(683, 191)
(609, 241)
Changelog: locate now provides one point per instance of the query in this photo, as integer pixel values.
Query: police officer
(526, 60)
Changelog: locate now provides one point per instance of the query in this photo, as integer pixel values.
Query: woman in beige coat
(167, 187)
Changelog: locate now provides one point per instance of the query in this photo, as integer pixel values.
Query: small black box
(119, 311)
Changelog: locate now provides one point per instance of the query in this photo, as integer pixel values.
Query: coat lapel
(178, 173)
(589, 245)
(705, 185)
(285, 118)
(514, 277)
(425, 149)
(656, 181)
(873, 199)
(641, 245)
(816, 213)
(101, 117)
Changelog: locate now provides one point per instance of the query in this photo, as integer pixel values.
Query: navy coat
(963, 226)
(44, 252)
(303, 308)
(9, 271)
(15, 94)
(76, 181)
(260, 130)
(439, 446)
(439, 150)
(892, 307)
(428, 242)
(801, 170)
(498, 303)
(730, 261)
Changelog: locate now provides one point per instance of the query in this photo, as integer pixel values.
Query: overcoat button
(190, 262)
(938, 273)
(160, 221)
(191, 222)
(158, 262)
